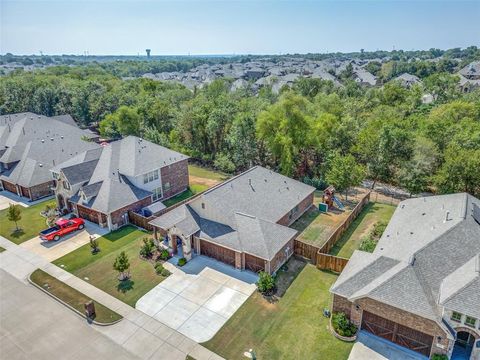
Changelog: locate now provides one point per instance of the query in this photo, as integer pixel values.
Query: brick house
(30, 145)
(420, 288)
(103, 184)
(242, 222)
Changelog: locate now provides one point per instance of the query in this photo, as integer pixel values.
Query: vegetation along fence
(319, 255)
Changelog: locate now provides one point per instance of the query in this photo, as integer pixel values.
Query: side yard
(98, 269)
(291, 328)
(29, 226)
(373, 213)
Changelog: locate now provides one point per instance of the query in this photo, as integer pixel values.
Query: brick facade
(355, 310)
(117, 216)
(9, 186)
(90, 215)
(282, 256)
(42, 190)
(176, 175)
(303, 206)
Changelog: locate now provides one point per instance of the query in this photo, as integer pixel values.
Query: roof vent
(411, 261)
(447, 216)
(42, 141)
(51, 139)
(41, 165)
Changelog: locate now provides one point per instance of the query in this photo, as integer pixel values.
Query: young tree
(344, 172)
(14, 214)
(122, 264)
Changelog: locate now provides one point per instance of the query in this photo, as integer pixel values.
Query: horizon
(233, 28)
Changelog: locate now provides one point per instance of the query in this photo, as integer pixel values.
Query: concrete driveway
(370, 347)
(199, 298)
(52, 250)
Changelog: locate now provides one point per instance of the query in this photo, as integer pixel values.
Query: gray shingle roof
(37, 144)
(241, 213)
(436, 259)
(80, 173)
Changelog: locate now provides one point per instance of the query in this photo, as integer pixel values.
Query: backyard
(98, 269)
(360, 228)
(291, 328)
(315, 227)
(29, 226)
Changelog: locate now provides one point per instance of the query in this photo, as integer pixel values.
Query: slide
(338, 203)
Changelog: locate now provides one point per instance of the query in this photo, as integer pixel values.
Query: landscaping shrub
(368, 244)
(160, 270)
(182, 261)
(164, 255)
(439, 357)
(378, 229)
(265, 283)
(342, 325)
(147, 248)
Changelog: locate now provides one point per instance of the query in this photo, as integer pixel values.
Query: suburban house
(420, 288)
(103, 184)
(407, 80)
(30, 145)
(470, 77)
(242, 222)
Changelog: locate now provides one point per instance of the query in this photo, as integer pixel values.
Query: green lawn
(72, 297)
(363, 224)
(314, 227)
(98, 268)
(292, 328)
(192, 190)
(201, 172)
(30, 224)
(1, 249)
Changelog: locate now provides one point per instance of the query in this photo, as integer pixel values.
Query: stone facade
(174, 178)
(289, 218)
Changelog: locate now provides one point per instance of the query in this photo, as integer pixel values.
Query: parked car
(62, 227)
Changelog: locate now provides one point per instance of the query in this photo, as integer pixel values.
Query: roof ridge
(228, 180)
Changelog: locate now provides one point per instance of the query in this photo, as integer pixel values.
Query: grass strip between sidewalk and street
(72, 297)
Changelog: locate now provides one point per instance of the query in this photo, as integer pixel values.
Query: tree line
(314, 131)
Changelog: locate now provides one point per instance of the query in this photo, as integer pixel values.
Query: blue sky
(112, 27)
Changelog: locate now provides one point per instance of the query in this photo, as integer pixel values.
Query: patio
(198, 298)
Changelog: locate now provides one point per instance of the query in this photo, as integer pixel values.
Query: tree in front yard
(122, 265)
(265, 283)
(344, 172)
(147, 249)
(14, 214)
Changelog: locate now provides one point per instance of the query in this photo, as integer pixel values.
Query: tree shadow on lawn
(306, 219)
(125, 285)
(17, 233)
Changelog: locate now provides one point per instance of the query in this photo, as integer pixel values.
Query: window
(203, 205)
(55, 175)
(456, 316)
(293, 212)
(470, 321)
(150, 176)
(157, 194)
(166, 186)
(66, 185)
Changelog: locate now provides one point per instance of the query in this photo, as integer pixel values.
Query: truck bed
(49, 230)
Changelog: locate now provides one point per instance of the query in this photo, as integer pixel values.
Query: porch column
(238, 260)
(109, 221)
(187, 248)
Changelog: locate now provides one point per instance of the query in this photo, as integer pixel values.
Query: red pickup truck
(62, 227)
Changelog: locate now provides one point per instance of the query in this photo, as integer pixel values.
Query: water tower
(148, 52)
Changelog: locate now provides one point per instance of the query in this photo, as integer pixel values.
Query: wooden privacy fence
(319, 255)
(330, 262)
(337, 234)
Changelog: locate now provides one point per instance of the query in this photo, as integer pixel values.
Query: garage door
(399, 334)
(217, 252)
(87, 214)
(254, 263)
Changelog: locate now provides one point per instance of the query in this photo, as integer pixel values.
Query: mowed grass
(98, 269)
(1, 249)
(314, 227)
(30, 224)
(192, 190)
(72, 297)
(361, 227)
(201, 172)
(292, 328)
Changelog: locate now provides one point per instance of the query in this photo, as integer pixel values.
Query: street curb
(70, 307)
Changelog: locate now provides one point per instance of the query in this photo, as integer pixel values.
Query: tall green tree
(14, 214)
(344, 172)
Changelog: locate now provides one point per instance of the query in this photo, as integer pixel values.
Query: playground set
(330, 200)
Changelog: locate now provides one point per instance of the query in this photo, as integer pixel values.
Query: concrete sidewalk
(138, 333)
